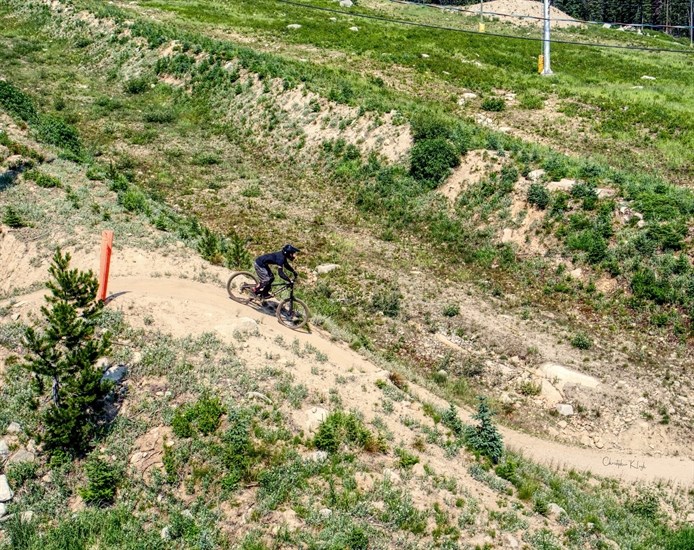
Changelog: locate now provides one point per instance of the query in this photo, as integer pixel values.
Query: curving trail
(185, 307)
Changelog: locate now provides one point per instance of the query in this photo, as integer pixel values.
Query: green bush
(133, 200)
(387, 302)
(42, 180)
(102, 482)
(581, 341)
(406, 459)
(530, 100)
(538, 195)
(19, 473)
(494, 104)
(426, 125)
(137, 85)
(16, 102)
(205, 158)
(160, 116)
(342, 429)
(645, 504)
(56, 131)
(451, 310)
(12, 219)
(431, 161)
(203, 416)
(210, 246)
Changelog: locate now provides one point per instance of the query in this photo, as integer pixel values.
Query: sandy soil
(520, 12)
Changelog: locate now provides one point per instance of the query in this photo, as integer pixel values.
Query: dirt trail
(185, 307)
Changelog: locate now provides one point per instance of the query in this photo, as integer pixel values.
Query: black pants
(265, 276)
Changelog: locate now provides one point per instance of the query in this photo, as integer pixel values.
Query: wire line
(465, 31)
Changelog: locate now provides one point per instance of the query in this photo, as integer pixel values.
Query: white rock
(14, 428)
(510, 542)
(425, 56)
(607, 26)
(325, 513)
(21, 456)
(318, 456)
(554, 510)
(354, 29)
(565, 409)
(536, 175)
(562, 424)
(294, 26)
(6, 493)
(314, 418)
(646, 77)
(245, 325)
(3, 509)
(4, 449)
(346, 3)
(164, 533)
(326, 268)
(392, 475)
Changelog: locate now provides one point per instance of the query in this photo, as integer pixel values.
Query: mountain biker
(281, 260)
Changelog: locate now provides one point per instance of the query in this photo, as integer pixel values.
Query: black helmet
(289, 250)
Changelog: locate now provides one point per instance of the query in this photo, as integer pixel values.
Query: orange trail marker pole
(106, 248)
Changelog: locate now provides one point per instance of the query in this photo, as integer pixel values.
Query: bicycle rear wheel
(292, 313)
(240, 286)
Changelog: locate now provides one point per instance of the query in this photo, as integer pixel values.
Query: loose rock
(565, 409)
(21, 456)
(326, 268)
(6, 493)
(14, 428)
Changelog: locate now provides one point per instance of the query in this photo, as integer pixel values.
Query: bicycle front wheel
(292, 313)
(240, 286)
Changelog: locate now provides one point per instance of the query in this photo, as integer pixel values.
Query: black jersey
(275, 258)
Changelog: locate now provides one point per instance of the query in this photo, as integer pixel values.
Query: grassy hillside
(542, 220)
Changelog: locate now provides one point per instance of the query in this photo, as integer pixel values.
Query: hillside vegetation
(485, 221)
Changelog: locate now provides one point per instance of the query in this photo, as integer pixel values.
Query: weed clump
(538, 196)
(42, 180)
(494, 104)
(343, 429)
(201, 417)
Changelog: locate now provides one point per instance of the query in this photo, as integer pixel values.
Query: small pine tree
(485, 438)
(209, 246)
(13, 219)
(236, 254)
(66, 352)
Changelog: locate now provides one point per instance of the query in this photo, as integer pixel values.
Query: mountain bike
(291, 312)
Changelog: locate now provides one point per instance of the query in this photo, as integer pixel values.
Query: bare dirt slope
(524, 12)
